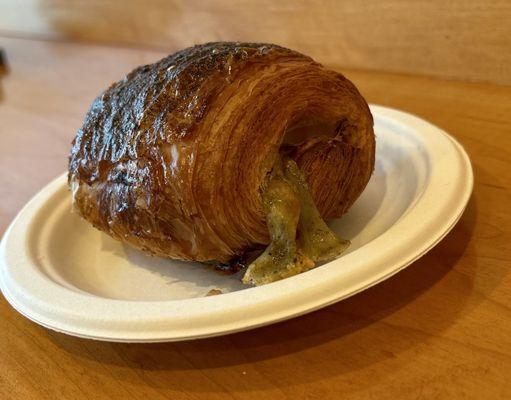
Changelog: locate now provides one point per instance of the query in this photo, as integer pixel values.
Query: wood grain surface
(457, 39)
(441, 329)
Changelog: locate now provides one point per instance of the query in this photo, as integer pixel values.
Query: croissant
(221, 149)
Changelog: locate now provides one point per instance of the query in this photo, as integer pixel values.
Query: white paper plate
(63, 274)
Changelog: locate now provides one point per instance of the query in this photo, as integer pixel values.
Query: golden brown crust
(171, 158)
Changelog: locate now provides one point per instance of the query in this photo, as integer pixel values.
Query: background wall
(462, 40)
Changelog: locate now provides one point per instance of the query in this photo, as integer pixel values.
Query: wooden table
(440, 329)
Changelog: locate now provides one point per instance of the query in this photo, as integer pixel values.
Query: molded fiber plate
(61, 273)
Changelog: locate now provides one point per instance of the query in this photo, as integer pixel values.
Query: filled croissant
(228, 153)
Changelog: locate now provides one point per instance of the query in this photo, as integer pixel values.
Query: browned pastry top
(171, 158)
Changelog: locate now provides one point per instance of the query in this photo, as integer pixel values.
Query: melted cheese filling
(299, 236)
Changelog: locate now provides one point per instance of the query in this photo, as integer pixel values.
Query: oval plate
(63, 274)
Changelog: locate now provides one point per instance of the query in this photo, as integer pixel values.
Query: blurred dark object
(4, 69)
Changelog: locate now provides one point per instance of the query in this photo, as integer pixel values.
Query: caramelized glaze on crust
(171, 159)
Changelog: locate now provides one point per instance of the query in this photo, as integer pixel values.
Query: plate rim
(25, 296)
